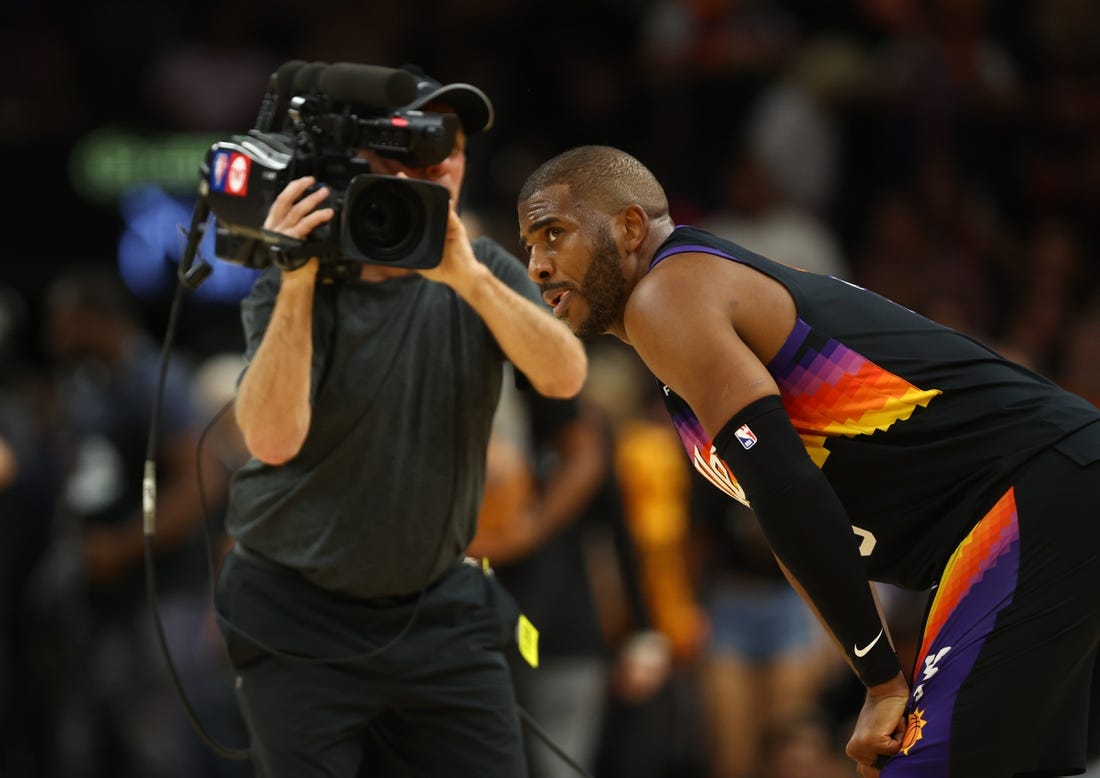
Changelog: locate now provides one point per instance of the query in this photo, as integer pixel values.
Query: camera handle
(289, 253)
(285, 252)
(193, 270)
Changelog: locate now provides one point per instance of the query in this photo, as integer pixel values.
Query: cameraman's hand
(458, 263)
(296, 216)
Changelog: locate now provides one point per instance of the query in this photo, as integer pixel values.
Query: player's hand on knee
(879, 728)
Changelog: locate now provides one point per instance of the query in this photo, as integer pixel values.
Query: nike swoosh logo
(862, 652)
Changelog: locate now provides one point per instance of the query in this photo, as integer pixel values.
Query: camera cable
(148, 500)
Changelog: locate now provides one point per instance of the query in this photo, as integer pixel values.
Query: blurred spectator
(215, 389)
(102, 669)
(1051, 287)
(766, 661)
(28, 483)
(691, 40)
(753, 213)
(652, 723)
(210, 84)
(41, 101)
(892, 251)
(655, 484)
(805, 747)
(222, 444)
(704, 61)
(1058, 151)
(14, 432)
(938, 248)
(965, 271)
(793, 128)
(549, 489)
(945, 83)
(1080, 371)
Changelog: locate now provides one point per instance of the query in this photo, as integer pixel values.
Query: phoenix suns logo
(913, 728)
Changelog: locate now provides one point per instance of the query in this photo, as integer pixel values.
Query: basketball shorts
(1002, 679)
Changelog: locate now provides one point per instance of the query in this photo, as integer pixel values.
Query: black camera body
(379, 218)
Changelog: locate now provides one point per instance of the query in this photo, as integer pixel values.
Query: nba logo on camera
(229, 173)
(745, 436)
(237, 183)
(218, 171)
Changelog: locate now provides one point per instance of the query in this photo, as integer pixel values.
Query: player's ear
(634, 223)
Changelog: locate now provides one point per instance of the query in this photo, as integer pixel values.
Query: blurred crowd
(945, 153)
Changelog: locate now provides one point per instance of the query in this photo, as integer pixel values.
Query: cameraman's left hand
(458, 263)
(541, 347)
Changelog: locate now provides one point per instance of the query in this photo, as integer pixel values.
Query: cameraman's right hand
(296, 216)
(273, 406)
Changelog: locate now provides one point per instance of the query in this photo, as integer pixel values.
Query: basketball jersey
(917, 427)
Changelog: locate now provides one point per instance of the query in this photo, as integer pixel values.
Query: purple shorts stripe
(978, 583)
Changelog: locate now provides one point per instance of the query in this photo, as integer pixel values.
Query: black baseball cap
(470, 104)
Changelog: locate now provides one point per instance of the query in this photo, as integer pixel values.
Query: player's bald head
(600, 178)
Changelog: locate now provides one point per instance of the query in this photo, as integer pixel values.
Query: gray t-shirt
(384, 495)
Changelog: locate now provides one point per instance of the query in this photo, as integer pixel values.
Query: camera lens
(386, 219)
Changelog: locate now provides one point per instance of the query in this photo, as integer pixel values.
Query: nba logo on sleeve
(745, 436)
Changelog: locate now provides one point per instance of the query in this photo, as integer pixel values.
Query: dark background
(1003, 95)
(948, 149)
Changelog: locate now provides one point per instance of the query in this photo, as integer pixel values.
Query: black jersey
(915, 425)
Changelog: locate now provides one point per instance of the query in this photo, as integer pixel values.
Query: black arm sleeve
(808, 529)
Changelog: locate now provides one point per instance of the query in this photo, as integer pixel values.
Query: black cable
(236, 754)
(327, 659)
(210, 560)
(187, 281)
(211, 563)
(359, 657)
(535, 727)
(149, 497)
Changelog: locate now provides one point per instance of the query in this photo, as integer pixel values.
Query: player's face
(575, 261)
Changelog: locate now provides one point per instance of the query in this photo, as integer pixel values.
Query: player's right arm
(273, 400)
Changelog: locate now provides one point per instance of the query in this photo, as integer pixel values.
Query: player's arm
(880, 725)
(689, 320)
(273, 400)
(581, 457)
(540, 346)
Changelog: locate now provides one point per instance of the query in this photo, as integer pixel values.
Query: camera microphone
(306, 78)
(371, 85)
(278, 92)
(283, 78)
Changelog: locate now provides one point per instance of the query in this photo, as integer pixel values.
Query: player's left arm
(691, 320)
(880, 725)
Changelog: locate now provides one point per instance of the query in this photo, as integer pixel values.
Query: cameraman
(360, 637)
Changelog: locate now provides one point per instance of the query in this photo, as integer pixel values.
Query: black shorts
(1002, 679)
(432, 696)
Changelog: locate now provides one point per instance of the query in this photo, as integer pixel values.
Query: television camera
(329, 112)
